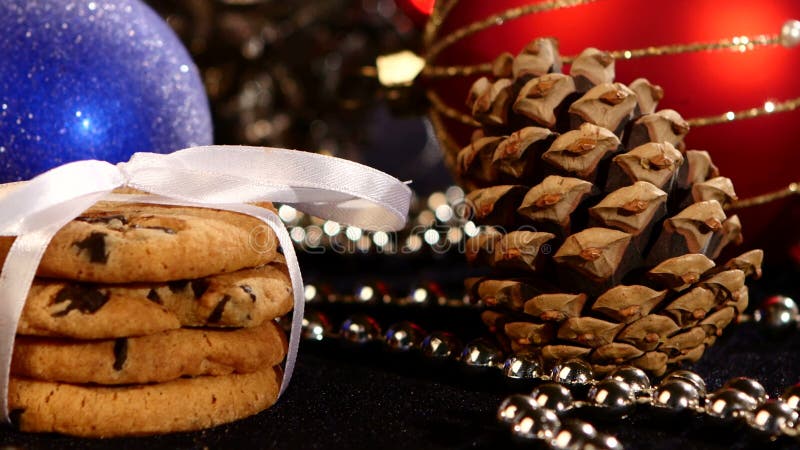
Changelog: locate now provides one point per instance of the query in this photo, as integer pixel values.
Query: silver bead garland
(538, 417)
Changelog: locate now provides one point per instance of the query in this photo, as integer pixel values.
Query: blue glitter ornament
(98, 79)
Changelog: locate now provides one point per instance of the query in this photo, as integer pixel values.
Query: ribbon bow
(220, 177)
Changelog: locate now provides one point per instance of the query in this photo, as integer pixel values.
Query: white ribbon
(220, 177)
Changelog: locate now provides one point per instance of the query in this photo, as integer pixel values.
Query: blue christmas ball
(98, 79)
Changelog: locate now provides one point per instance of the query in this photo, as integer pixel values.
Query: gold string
(448, 111)
(440, 12)
(768, 108)
(793, 189)
(498, 19)
(740, 43)
(431, 71)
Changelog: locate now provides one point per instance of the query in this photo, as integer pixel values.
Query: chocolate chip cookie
(155, 358)
(245, 298)
(128, 242)
(181, 405)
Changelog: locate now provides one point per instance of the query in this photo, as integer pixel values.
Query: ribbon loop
(222, 177)
(320, 185)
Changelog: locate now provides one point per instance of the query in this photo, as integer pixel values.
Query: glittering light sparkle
(470, 229)
(287, 213)
(93, 80)
(310, 292)
(366, 293)
(331, 228)
(444, 213)
(353, 233)
(431, 236)
(380, 238)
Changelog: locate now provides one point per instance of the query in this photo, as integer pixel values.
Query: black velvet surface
(367, 397)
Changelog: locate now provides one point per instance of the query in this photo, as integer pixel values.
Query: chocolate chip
(102, 219)
(249, 291)
(95, 244)
(84, 298)
(15, 416)
(177, 286)
(199, 287)
(154, 297)
(120, 353)
(216, 315)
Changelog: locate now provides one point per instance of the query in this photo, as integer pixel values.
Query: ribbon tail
(18, 273)
(15, 283)
(275, 223)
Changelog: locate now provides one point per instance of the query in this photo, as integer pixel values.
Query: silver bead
(481, 353)
(612, 395)
(604, 442)
(513, 407)
(792, 396)
(636, 378)
(316, 325)
(774, 417)
(360, 329)
(523, 366)
(404, 336)
(676, 395)
(749, 387)
(729, 404)
(777, 314)
(553, 396)
(536, 424)
(689, 377)
(440, 344)
(573, 435)
(573, 372)
(790, 33)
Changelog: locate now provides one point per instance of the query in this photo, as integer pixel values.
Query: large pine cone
(604, 228)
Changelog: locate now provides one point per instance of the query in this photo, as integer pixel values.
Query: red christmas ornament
(759, 154)
(417, 10)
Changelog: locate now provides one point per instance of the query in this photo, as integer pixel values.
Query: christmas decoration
(93, 80)
(606, 227)
(736, 62)
(565, 391)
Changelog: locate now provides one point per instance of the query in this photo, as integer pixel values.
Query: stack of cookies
(149, 319)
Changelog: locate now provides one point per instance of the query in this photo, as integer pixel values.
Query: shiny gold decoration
(495, 19)
(448, 111)
(769, 107)
(792, 189)
(738, 43)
